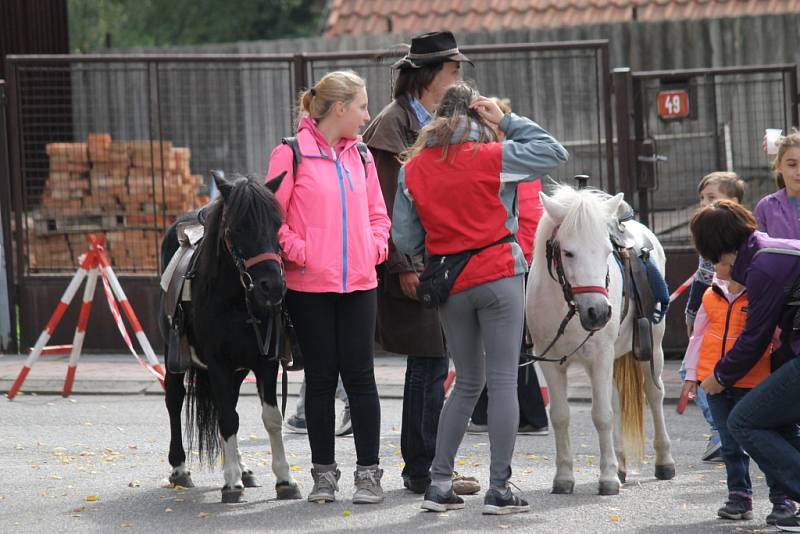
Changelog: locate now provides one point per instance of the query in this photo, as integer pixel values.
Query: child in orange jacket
(720, 320)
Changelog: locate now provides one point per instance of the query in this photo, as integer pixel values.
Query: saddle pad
(188, 235)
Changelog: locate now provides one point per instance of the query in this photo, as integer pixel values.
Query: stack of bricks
(128, 190)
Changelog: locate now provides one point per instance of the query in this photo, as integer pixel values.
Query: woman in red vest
(456, 194)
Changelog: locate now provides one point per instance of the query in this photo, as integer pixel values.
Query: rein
(553, 252)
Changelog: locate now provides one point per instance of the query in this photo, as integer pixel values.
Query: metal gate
(73, 119)
(564, 86)
(120, 145)
(686, 124)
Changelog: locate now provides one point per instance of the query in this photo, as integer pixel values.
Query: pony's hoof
(232, 495)
(287, 491)
(665, 472)
(249, 480)
(622, 475)
(563, 487)
(608, 488)
(182, 479)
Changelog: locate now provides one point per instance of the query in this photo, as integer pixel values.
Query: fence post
(300, 74)
(623, 109)
(7, 305)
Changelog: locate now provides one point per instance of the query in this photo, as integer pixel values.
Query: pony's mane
(248, 200)
(585, 217)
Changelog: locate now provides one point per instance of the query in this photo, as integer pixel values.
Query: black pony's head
(243, 224)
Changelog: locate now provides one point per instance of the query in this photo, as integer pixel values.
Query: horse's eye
(569, 254)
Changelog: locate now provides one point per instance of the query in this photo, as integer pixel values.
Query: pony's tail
(629, 381)
(202, 417)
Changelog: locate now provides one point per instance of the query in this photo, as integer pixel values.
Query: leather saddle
(176, 284)
(632, 256)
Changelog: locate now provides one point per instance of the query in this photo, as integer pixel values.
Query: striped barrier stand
(93, 264)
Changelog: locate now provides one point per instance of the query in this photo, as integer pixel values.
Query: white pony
(575, 225)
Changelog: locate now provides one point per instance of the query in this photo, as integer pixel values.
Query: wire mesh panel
(562, 87)
(727, 115)
(121, 147)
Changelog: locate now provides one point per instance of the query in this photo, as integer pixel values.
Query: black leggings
(336, 333)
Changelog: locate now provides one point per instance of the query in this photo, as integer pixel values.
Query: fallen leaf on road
(203, 514)
(503, 526)
(53, 477)
(79, 509)
(461, 462)
(168, 510)
(91, 498)
(615, 517)
(126, 525)
(347, 513)
(133, 446)
(134, 484)
(296, 468)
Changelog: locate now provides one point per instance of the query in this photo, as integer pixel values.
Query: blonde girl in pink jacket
(336, 232)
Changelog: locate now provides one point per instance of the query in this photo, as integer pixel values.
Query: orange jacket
(726, 321)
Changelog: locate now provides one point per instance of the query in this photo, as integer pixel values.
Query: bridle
(553, 254)
(242, 265)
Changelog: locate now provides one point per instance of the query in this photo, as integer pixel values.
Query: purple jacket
(766, 278)
(776, 216)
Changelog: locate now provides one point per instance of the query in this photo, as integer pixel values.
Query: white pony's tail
(629, 381)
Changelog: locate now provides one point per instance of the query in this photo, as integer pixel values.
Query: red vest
(458, 203)
(726, 322)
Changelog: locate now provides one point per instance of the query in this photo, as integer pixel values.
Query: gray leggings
(488, 318)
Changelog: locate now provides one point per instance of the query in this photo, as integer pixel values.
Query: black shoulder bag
(440, 273)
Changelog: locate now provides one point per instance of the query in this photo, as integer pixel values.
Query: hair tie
(313, 91)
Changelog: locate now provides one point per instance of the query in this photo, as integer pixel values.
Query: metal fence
(121, 145)
(563, 86)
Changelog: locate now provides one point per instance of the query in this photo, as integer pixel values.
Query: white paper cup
(773, 135)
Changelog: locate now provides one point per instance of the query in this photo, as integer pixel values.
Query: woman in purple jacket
(778, 214)
(765, 422)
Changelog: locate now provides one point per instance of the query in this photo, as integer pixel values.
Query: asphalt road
(98, 463)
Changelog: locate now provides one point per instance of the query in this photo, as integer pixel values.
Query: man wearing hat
(404, 326)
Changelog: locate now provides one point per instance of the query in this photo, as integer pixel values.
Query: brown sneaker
(465, 485)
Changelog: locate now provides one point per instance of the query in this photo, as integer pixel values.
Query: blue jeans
(423, 396)
(701, 400)
(765, 424)
(737, 462)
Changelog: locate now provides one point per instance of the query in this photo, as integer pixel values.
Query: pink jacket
(336, 228)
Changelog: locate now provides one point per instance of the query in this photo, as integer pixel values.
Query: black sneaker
(496, 503)
(737, 508)
(416, 485)
(438, 501)
(790, 524)
(784, 509)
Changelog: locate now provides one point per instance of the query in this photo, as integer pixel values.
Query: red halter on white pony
(573, 238)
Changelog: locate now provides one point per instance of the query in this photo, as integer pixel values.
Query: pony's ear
(612, 204)
(554, 209)
(275, 183)
(223, 185)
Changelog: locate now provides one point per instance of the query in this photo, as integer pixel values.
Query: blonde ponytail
(337, 86)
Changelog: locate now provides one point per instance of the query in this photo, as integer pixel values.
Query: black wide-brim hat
(430, 49)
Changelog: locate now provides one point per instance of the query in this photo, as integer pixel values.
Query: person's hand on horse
(487, 109)
(711, 386)
(408, 283)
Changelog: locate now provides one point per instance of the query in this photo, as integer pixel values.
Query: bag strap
(297, 155)
(510, 238)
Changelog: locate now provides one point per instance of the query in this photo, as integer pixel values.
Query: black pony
(237, 277)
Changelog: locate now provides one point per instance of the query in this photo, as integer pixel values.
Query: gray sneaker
(326, 483)
(368, 485)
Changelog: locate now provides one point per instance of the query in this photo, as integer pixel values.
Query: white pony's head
(576, 222)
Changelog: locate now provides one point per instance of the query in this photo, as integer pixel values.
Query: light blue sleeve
(408, 233)
(529, 150)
